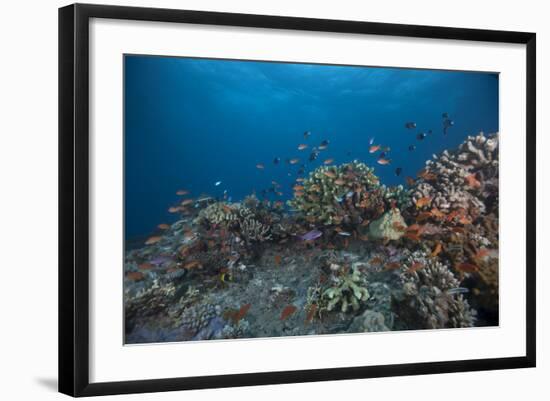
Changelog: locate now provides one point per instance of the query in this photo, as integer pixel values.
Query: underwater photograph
(270, 199)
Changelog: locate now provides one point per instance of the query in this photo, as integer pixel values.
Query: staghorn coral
(253, 230)
(348, 289)
(464, 179)
(390, 225)
(348, 193)
(428, 299)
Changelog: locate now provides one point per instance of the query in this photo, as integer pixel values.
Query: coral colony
(346, 254)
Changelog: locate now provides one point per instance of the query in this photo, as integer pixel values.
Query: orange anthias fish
(398, 226)
(242, 312)
(173, 209)
(392, 265)
(374, 148)
(423, 216)
(299, 194)
(467, 268)
(412, 236)
(464, 220)
(298, 188)
(278, 259)
(472, 181)
(182, 192)
(436, 250)
(294, 161)
(153, 240)
(383, 161)
(427, 175)
(482, 253)
(410, 181)
(145, 266)
(339, 181)
(377, 260)
(260, 166)
(438, 214)
(186, 202)
(163, 226)
(302, 146)
(311, 313)
(192, 265)
(329, 174)
(287, 311)
(328, 161)
(415, 266)
(424, 201)
(135, 276)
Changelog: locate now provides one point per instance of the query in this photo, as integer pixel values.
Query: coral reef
(253, 225)
(390, 225)
(369, 321)
(466, 179)
(197, 317)
(349, 193)
(430, 296)
(148, 301)
(348, 288)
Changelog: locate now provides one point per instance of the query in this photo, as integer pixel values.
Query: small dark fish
(446, 125)
(445, 115)
(313, 155)
(382, 155)
(410, 125)
(398, 171)
(277, 160)
(325, 142)
(430, 132)
(307, 134)
(301, 171)
(412, 147)
(421, 136)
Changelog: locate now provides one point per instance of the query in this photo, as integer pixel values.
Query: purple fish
(313, 234)
(160, 260)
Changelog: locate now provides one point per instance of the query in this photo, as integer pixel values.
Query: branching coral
(430, 296)
(253, 230)
(253, 225)
(348, 193)
(347, 289)
(197, 317)
(147, 301)
(461, 180)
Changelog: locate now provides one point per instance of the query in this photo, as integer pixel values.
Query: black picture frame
(74, 198)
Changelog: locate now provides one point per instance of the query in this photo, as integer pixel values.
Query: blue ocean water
(190, 123)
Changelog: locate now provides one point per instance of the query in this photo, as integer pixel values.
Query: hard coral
(429, 297)
(347, 289)
(348, 193)
(461, 180)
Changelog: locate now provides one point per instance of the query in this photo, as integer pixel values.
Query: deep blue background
(192, 122)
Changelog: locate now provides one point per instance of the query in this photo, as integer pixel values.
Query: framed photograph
(250, 199)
